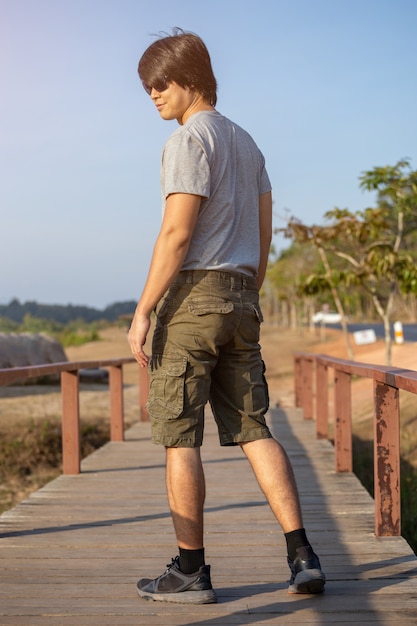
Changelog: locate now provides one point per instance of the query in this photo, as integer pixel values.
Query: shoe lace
(174, 561)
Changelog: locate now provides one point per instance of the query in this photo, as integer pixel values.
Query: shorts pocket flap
(210, 306)
(170, 366)
(175, 366)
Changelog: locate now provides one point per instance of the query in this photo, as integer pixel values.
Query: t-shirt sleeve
(265, 183)
(185, 167)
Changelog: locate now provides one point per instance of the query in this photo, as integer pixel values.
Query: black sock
(191, 560)
(296, 539)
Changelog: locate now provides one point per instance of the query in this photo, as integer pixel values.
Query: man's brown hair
(181, 58)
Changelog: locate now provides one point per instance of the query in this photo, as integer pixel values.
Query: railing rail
(312, 380)
(70, 394)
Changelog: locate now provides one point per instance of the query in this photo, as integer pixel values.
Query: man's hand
(137, 338)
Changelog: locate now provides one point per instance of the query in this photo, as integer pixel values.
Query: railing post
(143, 394)
(71, 455)
(387, 492)
(343, 422)
(298, 384)
(116, 403)
(322, 401)
(307, 394)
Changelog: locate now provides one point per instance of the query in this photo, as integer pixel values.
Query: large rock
(21, 350)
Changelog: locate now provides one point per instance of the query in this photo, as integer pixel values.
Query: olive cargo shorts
(206, 349)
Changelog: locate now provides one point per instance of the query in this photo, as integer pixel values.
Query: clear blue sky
(326, 87)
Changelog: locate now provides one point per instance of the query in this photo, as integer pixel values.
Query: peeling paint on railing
(387, 383)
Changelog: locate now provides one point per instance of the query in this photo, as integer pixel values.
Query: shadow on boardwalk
(73, 551)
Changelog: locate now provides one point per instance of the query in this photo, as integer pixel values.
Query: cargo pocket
(166, 388)
(250, 326)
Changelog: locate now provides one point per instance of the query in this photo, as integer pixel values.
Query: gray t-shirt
(212, 157)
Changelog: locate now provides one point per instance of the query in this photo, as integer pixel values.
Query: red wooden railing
(312, 382)
(70, 392)
(311, 394)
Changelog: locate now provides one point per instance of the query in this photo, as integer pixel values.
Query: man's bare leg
(275, 476)
(186, 494)
(186, 491)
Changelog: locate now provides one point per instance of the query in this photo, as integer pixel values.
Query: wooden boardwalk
(72, 552)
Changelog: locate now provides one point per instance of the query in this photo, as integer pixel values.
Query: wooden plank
(72, 552)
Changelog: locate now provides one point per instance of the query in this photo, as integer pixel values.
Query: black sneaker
(175, 586)
(306, 574)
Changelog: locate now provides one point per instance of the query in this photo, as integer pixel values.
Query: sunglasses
(158, 85)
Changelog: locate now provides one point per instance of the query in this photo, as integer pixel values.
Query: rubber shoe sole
(206, 596)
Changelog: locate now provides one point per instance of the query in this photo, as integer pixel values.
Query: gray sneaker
(175, 586)
(306, 573)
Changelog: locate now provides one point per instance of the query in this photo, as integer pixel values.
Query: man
(208, 264)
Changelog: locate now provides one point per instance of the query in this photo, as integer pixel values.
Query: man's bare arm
(265, 230)
(171, 246)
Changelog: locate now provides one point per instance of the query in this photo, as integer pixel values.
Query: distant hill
(16, 311)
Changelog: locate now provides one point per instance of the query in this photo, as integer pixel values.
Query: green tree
(324, 278)
(389, 262)
(285, 277)
(367, 248)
